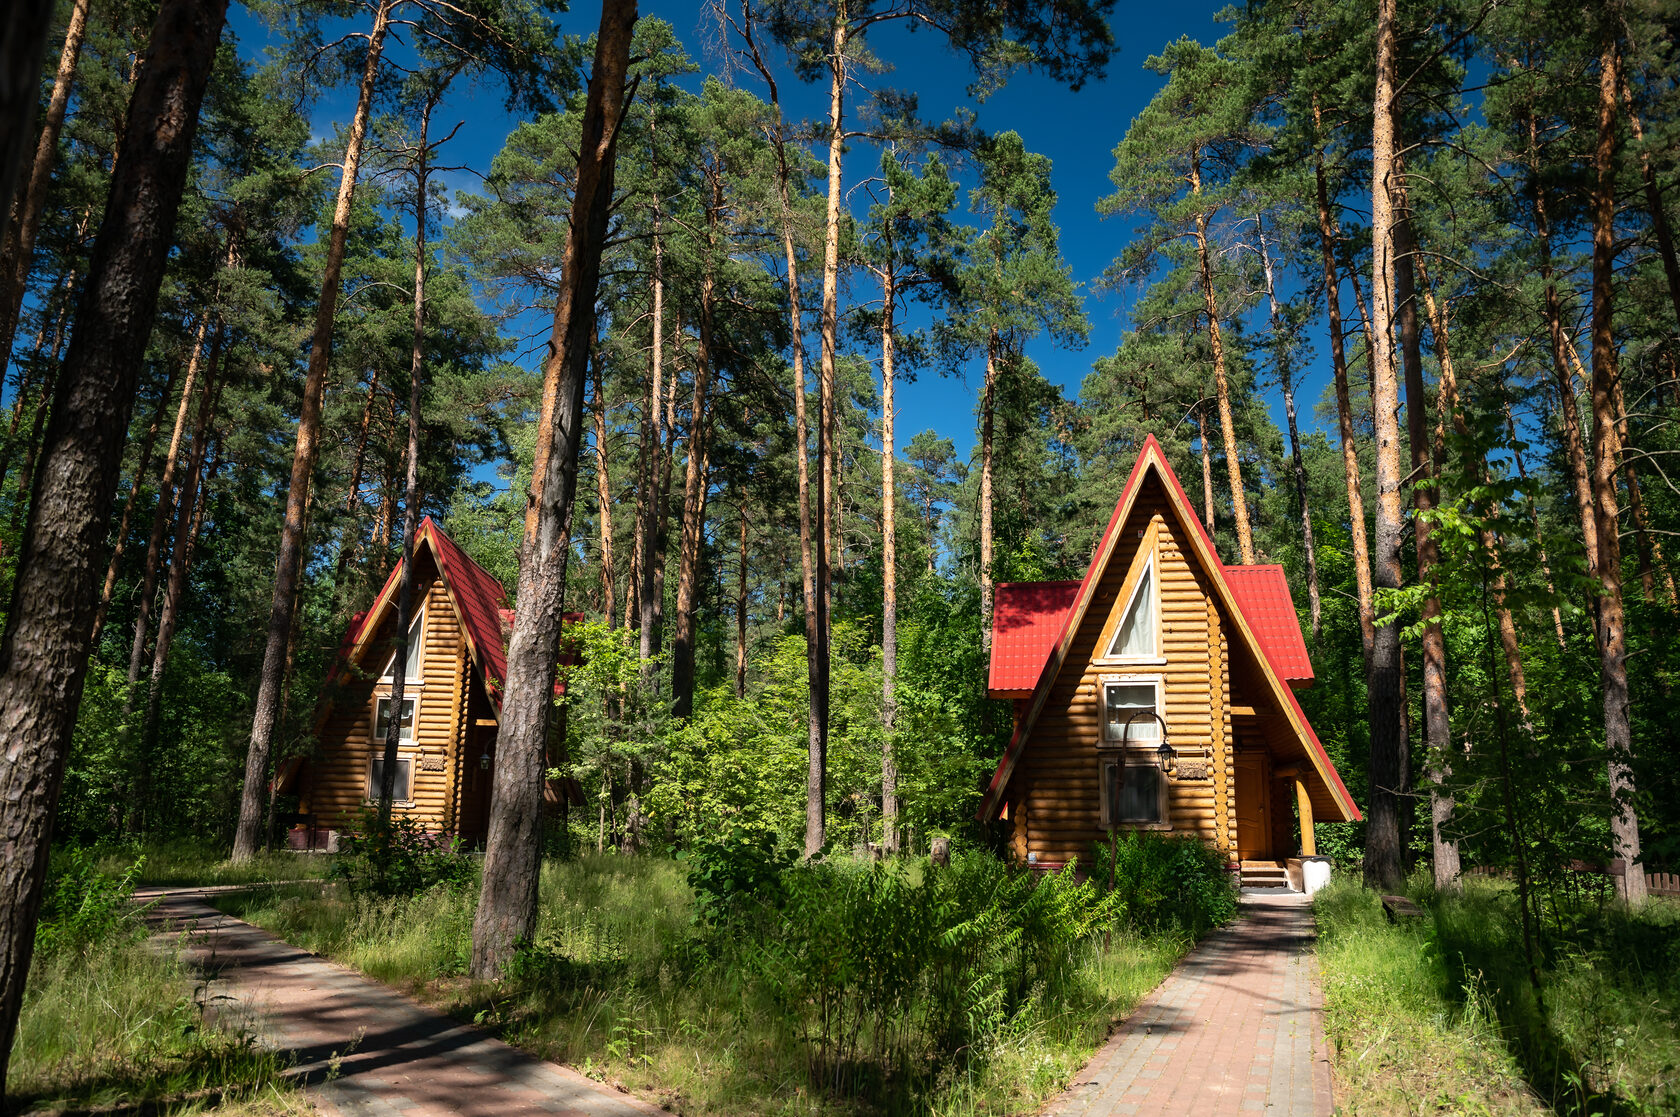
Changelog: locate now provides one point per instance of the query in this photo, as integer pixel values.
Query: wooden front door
(1254, 830)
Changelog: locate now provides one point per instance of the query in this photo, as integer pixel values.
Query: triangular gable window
(411, 664)
(1135, 638)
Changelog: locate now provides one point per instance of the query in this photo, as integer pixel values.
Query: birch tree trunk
(44, 652)
(293, 543)
(507, 906)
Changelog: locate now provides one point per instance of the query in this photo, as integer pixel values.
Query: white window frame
(403, 757)
(1151, 568)
(1110, 738)
(416, 640)
(1111, 761)
(414, 719)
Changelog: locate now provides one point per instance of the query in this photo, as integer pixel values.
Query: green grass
(625, 996)
(1439, 1014)
(195, 862)
(115, 1026)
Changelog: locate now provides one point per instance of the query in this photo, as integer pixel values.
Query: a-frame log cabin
(452, 703)
(1159, 637)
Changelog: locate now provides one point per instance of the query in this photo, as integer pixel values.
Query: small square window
(382, 722)
(1126, 702)
(1133, 794)
(402, 790)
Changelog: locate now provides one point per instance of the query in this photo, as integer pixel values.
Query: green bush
(400, 858)
(82, 906)
(738, 866)
(881, 970)
(1166, 882)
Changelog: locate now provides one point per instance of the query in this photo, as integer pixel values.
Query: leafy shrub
(739, 865)
(400, 858)
(1166, 882)
(881, 969)
(83, 907)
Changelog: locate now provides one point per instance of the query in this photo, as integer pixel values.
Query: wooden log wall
(337, 783)
(1054, 801)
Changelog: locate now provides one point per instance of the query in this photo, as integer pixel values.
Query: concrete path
(1236, 1029)
(361, 1048)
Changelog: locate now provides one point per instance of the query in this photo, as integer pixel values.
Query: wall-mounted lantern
(484, 761)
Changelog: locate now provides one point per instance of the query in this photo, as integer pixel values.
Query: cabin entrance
(1253, 809)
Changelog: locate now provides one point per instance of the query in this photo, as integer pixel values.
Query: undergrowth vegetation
(114, 1022)
(735, 983)
(1441, 1014)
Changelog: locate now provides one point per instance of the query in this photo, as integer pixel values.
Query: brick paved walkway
(1238, 1028)
(362, 1049)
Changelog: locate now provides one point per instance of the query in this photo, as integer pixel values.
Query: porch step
(1264, 874)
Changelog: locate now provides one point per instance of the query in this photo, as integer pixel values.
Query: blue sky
(1077, 131)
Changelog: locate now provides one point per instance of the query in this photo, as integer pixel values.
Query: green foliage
(1165, 882)
(399, 857)
(738, 866)
(83, 906)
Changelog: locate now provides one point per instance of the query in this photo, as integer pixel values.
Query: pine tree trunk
(1227, 424)
(651, 512)
(889, 570)
(1654, 206)
(603, 495)
(1426, 472)
(1612, 642)
(352, 538)
(1287, 383)
(161, 516)
(1385, 840)
(31, 449)
(695, 484)
(24, 26)
(189, 516)
(44, 653)
(19, 254)
(411, 481)
(507, 906)
(816, 774)
(988, 398)
(141, 468)
(1534, 516)
(1327, 236)
(292, 559)
(741, 602)
(1207, 467)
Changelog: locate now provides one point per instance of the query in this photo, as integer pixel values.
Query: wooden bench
(1398, 908)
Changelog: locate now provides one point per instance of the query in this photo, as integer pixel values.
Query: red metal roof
(1151, 455)
(1263, 594)
(1026, 619)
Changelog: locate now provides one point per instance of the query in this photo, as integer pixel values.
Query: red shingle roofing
(1026, 619)
(1263, 594)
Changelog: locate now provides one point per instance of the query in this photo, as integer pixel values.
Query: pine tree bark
(1426, 472)
(1612, 641)
(816, 774)
(293, 541)
(1207, 466)
(1327, 236)
(411, 480)
(44, 653)
(603, 496)
(889, 568)
(24, 26)
(1654, 204)
(189, 517)
(161, 516)
(695, 485)
(988, 423)
(507, 906)
(652, 510)
(19, 253)
(1385, 840)
(1227, 424)
(1286, 381)
(142, 466)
